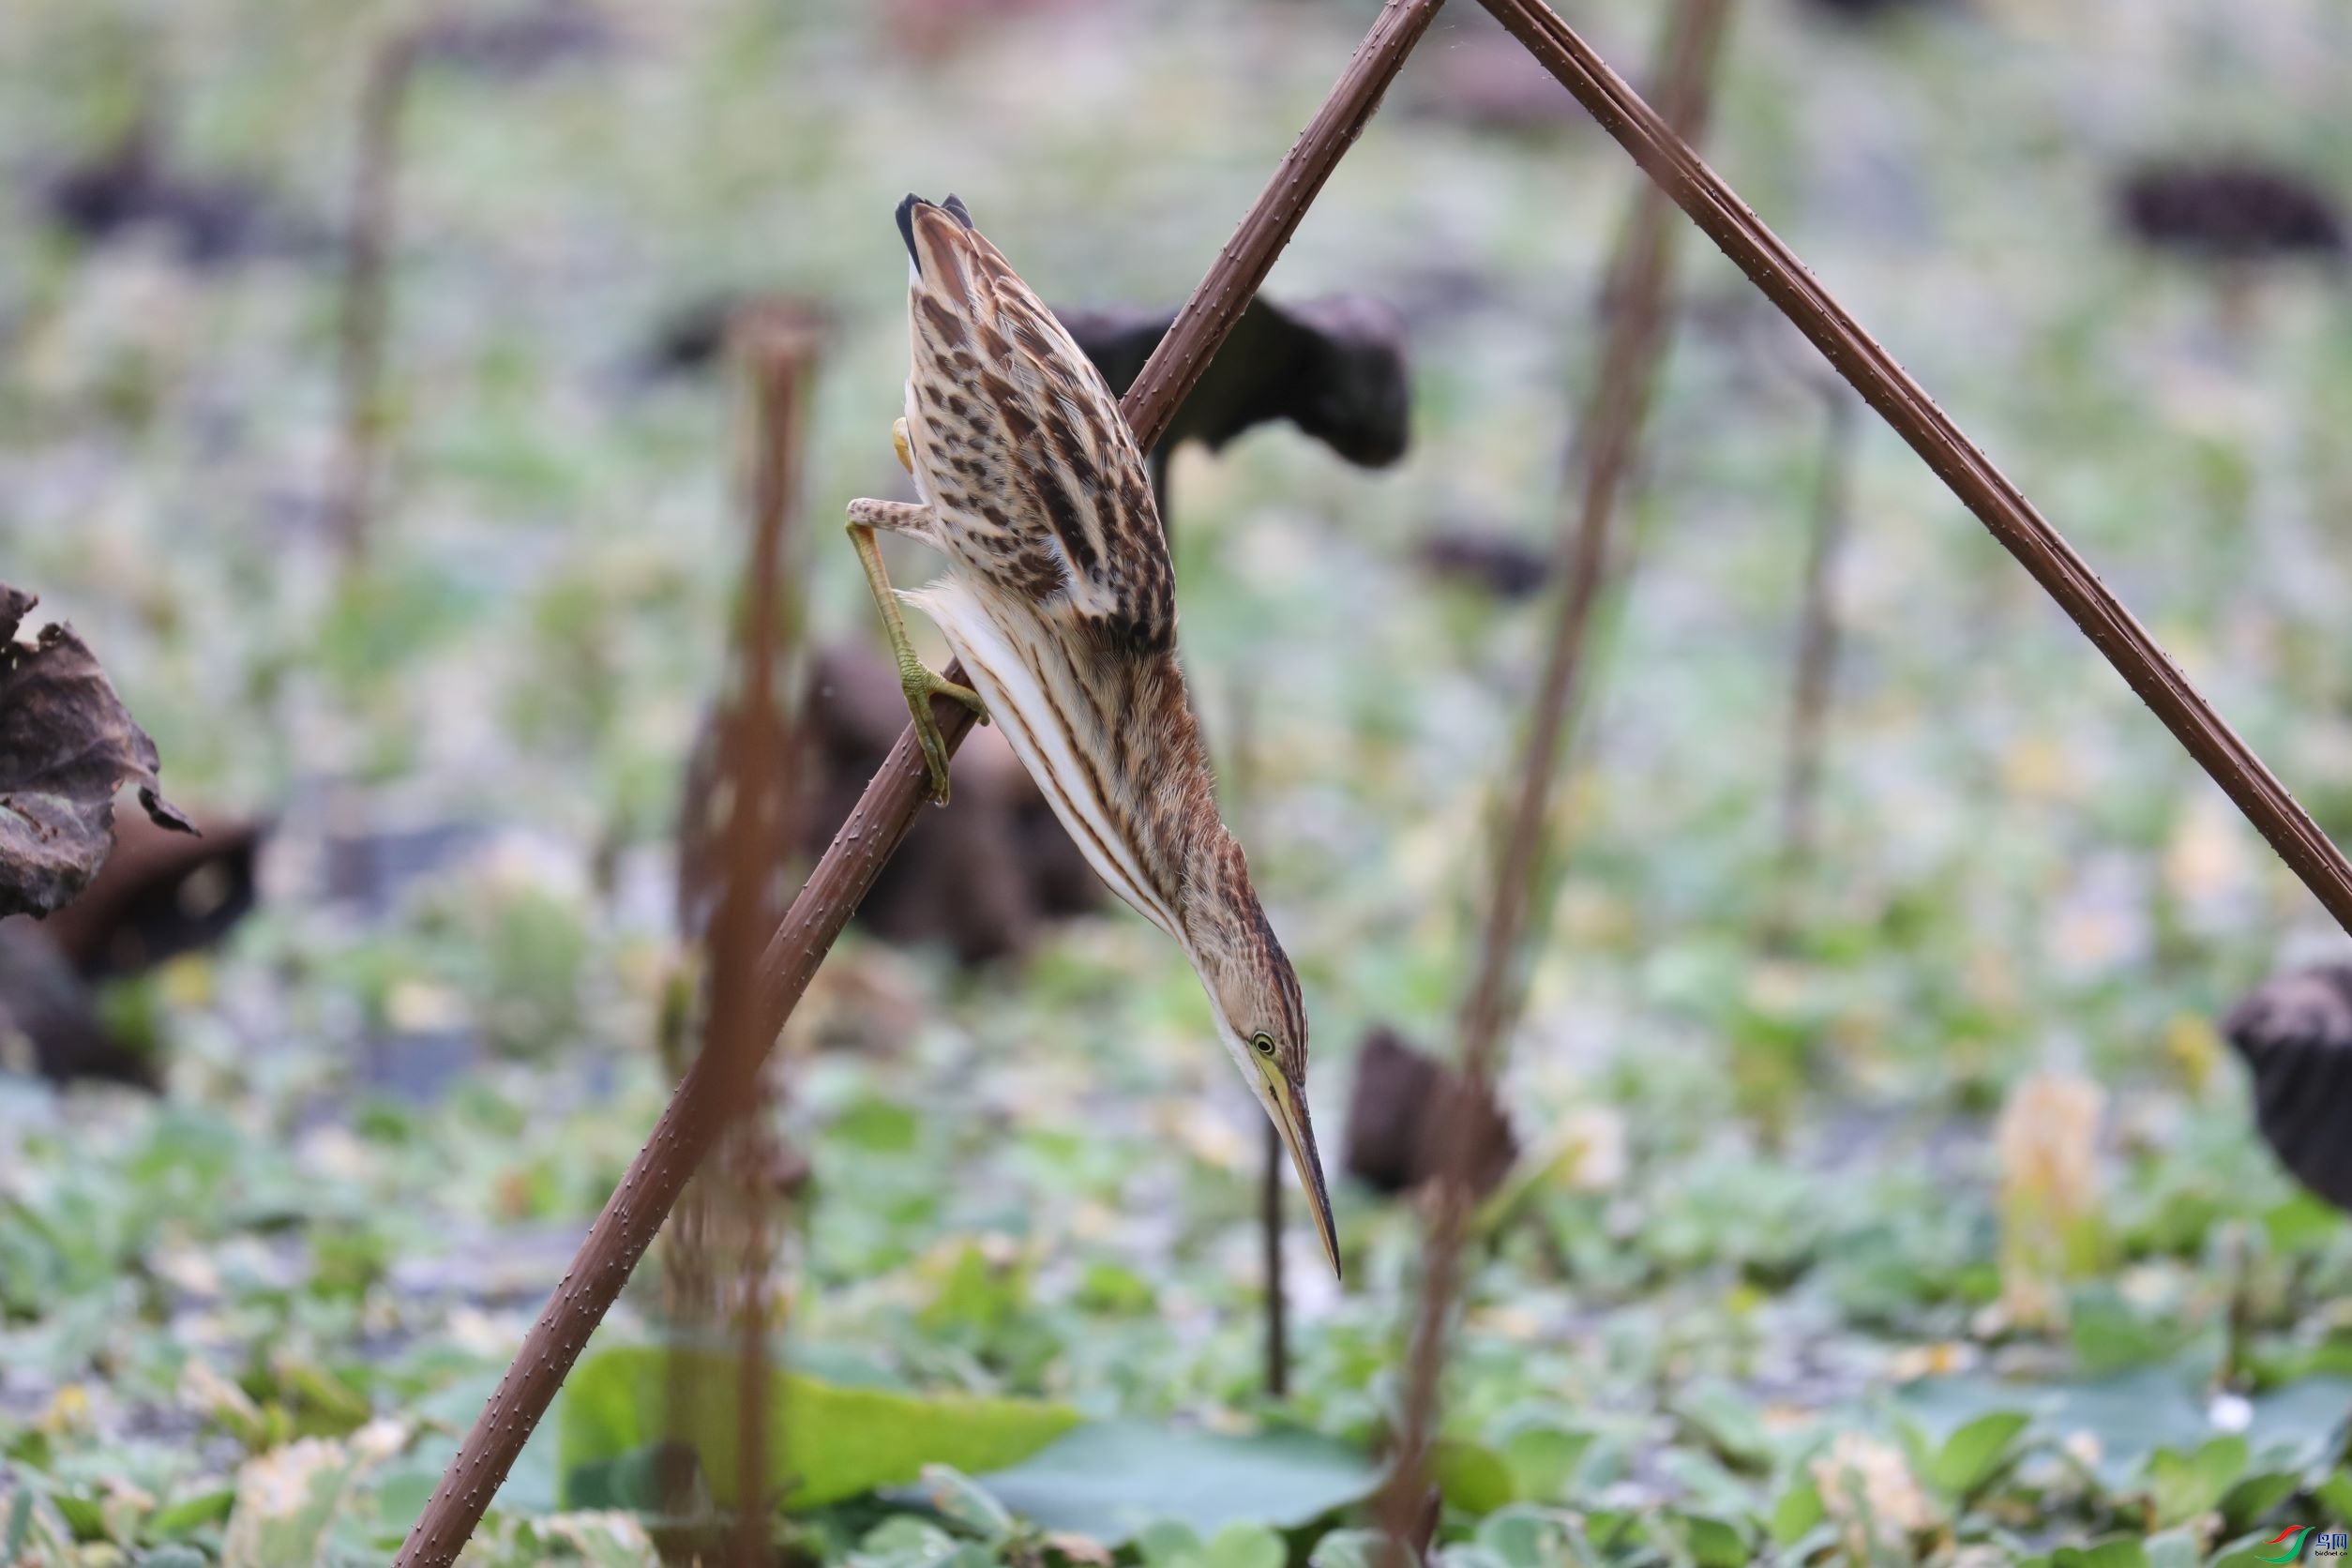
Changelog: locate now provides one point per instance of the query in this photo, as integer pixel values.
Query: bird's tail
(941, 241)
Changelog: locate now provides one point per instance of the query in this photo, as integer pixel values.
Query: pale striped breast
(1033, 697)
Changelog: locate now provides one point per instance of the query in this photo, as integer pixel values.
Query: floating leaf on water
(1713, 1543)
(842, 1440)
(606, 1540)
(2122, 1551)
(961, 1502)
(1543, 1459)
(1349, 1548)
(188, 1514)
(173, 1554)
(2252, 1499)
(2183, 1486)
(287, 1500)
(2119, 1422)
(1473, 1478)
(1525, 1536)
(1796, 1512)
(1109, 1480)
(1973, 1454)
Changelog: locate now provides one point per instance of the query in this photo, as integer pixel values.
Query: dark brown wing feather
(1020, 446)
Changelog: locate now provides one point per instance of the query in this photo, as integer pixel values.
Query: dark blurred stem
(2237, 1338)
(1639, 279)
(370, 234)
(726, 1214)
(760, 750)
(1815, 672)
(751, 1547)
(1635, 291)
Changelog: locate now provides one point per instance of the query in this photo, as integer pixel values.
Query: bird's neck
(1217, 903)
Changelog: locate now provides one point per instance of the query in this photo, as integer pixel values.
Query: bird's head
(1263, 1024)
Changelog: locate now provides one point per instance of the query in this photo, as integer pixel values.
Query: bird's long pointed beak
(1298, 1136)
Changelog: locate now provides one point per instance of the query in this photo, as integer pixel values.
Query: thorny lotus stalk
(1671, 162)
(762, 750)
(369, 239)
(1641, 276)
(1816, 666)
(741, 818)
(717, 1081)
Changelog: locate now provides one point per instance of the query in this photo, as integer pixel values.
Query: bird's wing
(1021, 444)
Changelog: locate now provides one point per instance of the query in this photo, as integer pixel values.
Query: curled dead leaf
(1399, 1115)
(1333, 366)
(66, 747)
(2294, 1032)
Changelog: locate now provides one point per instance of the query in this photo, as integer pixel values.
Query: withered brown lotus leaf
(1400, 1115)
(67, 745)
(1335, 366)
(2294, 1031)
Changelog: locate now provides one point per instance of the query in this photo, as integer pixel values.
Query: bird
(1060, 604)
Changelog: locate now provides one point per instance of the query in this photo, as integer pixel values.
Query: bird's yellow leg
(919, 683)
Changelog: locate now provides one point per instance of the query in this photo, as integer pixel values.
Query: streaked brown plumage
(1060, 605)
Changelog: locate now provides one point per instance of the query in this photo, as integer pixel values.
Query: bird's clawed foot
(918, 682)
(921, 685)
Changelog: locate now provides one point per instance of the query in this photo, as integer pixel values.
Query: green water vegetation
(1936, 1232)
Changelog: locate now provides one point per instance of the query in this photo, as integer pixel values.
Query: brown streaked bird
(1060, 604)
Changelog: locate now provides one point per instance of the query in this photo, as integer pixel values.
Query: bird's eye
(1264, 1042)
